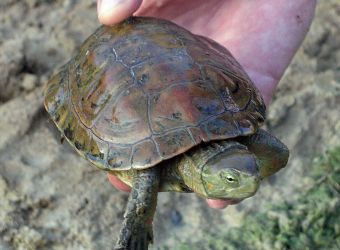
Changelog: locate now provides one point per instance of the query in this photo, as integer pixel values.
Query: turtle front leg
(136, 232)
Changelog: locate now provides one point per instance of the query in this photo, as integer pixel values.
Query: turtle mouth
(243, 192)
(246, 194)
(251, 191)
(233, 201)
(239, 196)
(236, 195)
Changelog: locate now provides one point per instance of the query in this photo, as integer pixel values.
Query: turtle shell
(146, 90)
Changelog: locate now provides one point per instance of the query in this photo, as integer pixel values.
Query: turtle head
(231, 174)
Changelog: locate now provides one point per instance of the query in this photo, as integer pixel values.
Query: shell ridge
(73, 110)
(148, 114)
(102, 111)
(191, 136)
(157, 147)
(189, 126)
(95, 79)
(204, 77)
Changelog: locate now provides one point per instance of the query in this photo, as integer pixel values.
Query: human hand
(263, 35)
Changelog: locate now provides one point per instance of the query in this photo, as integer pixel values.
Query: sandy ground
(50, 198)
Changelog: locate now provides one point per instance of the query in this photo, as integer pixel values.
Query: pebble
(176, 218)
(29, 81)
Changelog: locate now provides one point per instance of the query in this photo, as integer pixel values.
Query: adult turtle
(164, 110)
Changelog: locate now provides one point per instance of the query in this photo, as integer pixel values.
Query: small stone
(3, 186)
(176, 217)
(27, 238)
(29, 81)
(32, 3)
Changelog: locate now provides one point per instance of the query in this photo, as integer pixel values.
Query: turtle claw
(139, 240)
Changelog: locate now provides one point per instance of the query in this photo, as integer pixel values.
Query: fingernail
(108, 5)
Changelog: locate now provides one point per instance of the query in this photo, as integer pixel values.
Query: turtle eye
(228, 177)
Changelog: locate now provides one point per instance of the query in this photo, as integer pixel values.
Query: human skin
(263, 35)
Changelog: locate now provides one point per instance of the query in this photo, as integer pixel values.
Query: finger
(117, 183)
(217, 204)
(113, 11)
(220, 204)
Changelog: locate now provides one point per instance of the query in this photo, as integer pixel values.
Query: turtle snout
(249, 186)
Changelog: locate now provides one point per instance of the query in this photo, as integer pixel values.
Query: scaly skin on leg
(136, 232)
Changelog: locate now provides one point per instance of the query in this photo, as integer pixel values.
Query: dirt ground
(50, 198)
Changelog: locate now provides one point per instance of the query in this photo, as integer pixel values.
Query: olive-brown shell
(146, 90)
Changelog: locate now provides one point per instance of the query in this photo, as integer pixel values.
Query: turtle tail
(136, 232)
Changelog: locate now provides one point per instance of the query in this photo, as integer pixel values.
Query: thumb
(113, 11)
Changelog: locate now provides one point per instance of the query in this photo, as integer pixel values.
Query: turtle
(164, 110)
